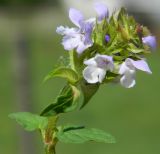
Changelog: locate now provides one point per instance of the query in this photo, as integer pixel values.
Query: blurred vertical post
(26, 141)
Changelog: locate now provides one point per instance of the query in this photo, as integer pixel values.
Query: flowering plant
(101, 50)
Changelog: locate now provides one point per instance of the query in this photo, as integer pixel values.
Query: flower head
(97, 67)
(128, 71)
(150, 41)
(78, 38)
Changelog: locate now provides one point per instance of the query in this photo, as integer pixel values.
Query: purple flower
(128, 71)
(78, 38)
(107, 38)
(150, 41)
(102, 11)
(97, 67)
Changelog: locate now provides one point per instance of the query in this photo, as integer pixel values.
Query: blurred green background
(29, 49)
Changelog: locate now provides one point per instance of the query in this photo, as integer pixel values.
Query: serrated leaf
(65, 102)
(88, 91)
(30, 121)
(70, 75)
(78, 134)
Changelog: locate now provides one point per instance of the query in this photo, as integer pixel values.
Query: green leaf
(65, 102)
(110, 77)
(80, 134)
(70, 75)
(88, 91)
(30, 121)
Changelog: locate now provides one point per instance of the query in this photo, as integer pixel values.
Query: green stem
(48, 136)
(50, 149)
(72, 57)
(76, 61)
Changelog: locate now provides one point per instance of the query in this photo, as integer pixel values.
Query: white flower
(128, 71)
(97, 67)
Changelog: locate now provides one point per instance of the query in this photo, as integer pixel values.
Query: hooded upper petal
(102, 11)
(76, 16)
(150, 40)
(141, 65)
(104, 61)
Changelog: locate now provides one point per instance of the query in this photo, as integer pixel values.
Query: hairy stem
(48, 136)
(50, 149)
(72, 59)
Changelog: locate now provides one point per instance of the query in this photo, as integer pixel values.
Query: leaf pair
(66, 134)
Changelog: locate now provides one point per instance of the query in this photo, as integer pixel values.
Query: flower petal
(90, 61)
(150, 40)
(88, 27)
(76, 16)
(81, 47)
(123, 68)
(104, 61)
(127, 81)
(94, 74)
(70, 43)
(127, 71)
(141, 65)
(102, 11)
(91, 21)
(66, 30)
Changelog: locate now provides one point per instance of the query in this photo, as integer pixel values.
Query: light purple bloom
(102, 11)
(150, 41)
(128, 71)
(78, 38)
(97, 67)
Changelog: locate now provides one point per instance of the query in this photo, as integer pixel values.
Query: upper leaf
(65, 102)
(30, 121)
(70, 75)
(76, 134)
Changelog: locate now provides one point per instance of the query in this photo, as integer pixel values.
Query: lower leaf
(80, 134)
(29, 121)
